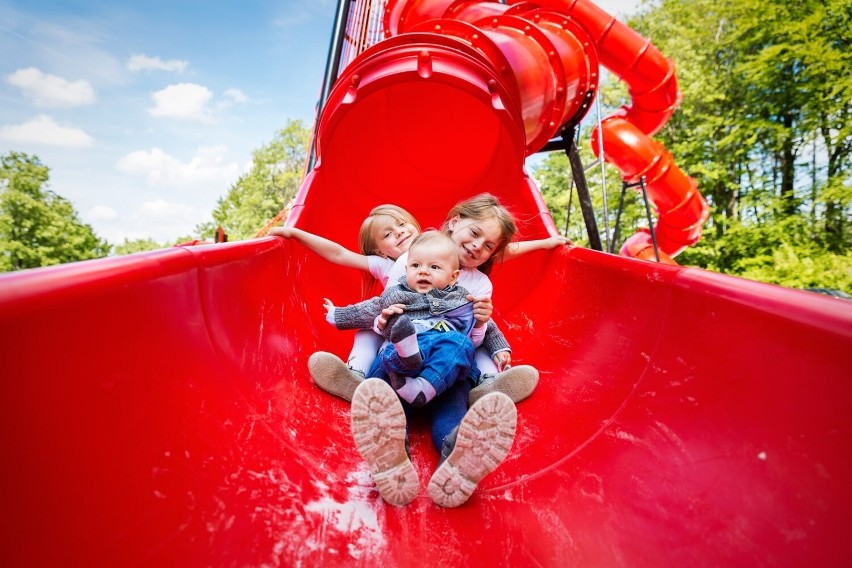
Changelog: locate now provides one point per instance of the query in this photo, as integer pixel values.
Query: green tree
(137, 245)
(37, 226)
(765, 129)
(263, 192)
(764, 125)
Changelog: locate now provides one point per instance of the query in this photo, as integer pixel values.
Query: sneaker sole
(332, 375)
(517, 383)
(379, 431)
(485, 436)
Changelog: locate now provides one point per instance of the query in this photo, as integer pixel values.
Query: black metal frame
(332, 68)
(624, 187)
(569, 145)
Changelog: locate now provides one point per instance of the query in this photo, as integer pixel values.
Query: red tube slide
(552, 47)
(157, 410)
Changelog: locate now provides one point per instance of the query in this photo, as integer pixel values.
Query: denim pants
(447, 356)
(448, 361)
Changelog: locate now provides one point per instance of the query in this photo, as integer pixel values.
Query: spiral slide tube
(157, 409)
(553, 47)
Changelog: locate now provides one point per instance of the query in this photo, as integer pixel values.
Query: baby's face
(392, 236)
(431, 265)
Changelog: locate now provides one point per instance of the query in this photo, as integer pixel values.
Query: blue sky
(147, 112)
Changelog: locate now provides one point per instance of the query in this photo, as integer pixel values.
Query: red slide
(157, 409)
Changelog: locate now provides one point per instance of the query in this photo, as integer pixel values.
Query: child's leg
(486, 364)
(446, 413)
(483, 441)
(365, 347)
(446, 356)
(379, 431)
(403, 335)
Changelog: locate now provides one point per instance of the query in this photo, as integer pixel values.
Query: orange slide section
(157, 409)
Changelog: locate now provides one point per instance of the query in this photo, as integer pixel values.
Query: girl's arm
(329, 250)
(514, 250)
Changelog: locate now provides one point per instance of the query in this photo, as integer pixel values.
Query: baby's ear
(456, 273)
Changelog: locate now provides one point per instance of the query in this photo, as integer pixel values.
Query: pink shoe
(379, 431)
(484, 438)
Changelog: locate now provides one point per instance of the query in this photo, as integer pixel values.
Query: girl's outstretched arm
(329, 250)
(514, 250)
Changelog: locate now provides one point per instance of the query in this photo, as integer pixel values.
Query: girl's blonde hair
(366, 240)
(480, 208)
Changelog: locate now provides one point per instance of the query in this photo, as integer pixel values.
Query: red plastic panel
(157, 408)
(160, 413)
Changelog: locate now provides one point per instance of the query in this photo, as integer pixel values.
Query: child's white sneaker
(483, 441)
(332, 375)
(379, 431)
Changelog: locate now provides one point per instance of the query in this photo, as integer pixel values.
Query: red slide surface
(157, 408)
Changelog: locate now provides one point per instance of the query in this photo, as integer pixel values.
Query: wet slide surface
(157, 409)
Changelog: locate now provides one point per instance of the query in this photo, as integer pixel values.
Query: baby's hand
(382, 319)
(328, 305)
(482, 308)
(503, 359)
(281, 232)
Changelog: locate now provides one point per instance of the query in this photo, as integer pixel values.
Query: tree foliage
(765, 129)
(130, 246)
(37, 226)
(263, 192)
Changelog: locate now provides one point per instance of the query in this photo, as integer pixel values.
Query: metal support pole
(335, 49)
(583, 192)
(640, 183)
(650, 219)
(618, 211)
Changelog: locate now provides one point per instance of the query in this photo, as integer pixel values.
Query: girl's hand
(281, 232)
(553, 242)
(482, 308)
(503, 360)
(327, 304)
(382, 319)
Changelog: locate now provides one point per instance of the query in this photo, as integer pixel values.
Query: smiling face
(392, 236)
(432, 263)
(477, 239)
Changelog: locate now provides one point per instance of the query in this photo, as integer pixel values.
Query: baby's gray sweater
(417, 306)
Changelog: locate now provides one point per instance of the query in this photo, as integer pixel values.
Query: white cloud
(184, 101)
(209, 166)
(102, 212)
(50, 90)
(141, 62)
(44, 130)
(236, 95)
(165, 211)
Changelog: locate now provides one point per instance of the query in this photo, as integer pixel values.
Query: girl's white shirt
(380, 268)
(476, 282)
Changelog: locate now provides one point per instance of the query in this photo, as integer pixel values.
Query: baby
(434, 332)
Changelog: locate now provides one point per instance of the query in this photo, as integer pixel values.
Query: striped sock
(415, 390)
(403, 335)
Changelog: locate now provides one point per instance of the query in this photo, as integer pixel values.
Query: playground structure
(158, 411)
